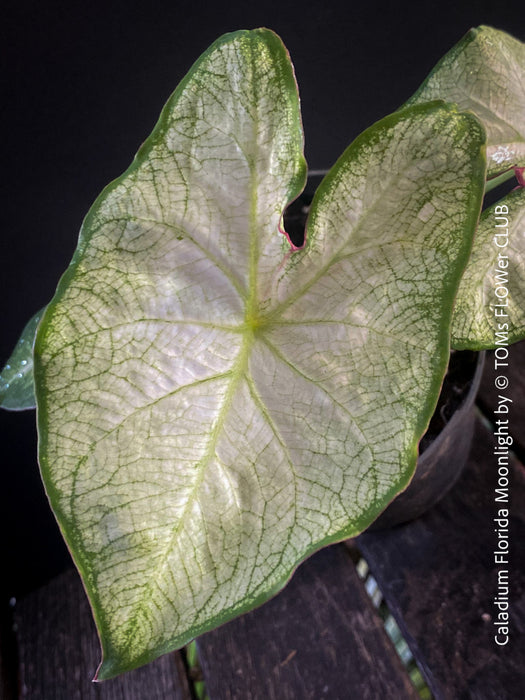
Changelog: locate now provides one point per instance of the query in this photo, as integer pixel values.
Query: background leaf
(17, 390)
(485, 73)
(495, 263)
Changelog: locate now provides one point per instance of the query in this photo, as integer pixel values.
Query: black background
(82, 86)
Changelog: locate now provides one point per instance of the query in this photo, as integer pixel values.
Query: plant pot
(440, 464)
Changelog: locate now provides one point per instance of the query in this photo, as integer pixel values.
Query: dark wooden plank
(319, 638)
(439, 578)
(488, 393)
(8, 670)
(59, 652)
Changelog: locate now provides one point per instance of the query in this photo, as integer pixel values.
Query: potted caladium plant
(214, 402)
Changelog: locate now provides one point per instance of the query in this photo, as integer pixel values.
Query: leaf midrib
(238, 371)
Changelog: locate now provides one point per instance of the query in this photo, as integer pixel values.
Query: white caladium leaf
(17, 391)
(213, 404)
(490, 306)
(485, 73)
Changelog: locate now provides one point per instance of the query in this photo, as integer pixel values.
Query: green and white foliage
(215, 405)
(17, 390)
(491, 297)
(484, 73)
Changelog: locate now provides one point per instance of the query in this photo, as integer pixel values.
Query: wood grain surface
(59, 652)
(319, 638)
(439, 579)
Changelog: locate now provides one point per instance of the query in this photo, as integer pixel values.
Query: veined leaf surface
(213, 405)
(491, 296)
(485, 73)
(17, 391)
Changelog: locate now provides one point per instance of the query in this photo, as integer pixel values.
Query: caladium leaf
(490, 306)
(17, 391)
(485, 73)
(215, 405)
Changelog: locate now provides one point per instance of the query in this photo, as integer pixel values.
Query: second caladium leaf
(490, 306)
(485, 73)
(214, 405)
